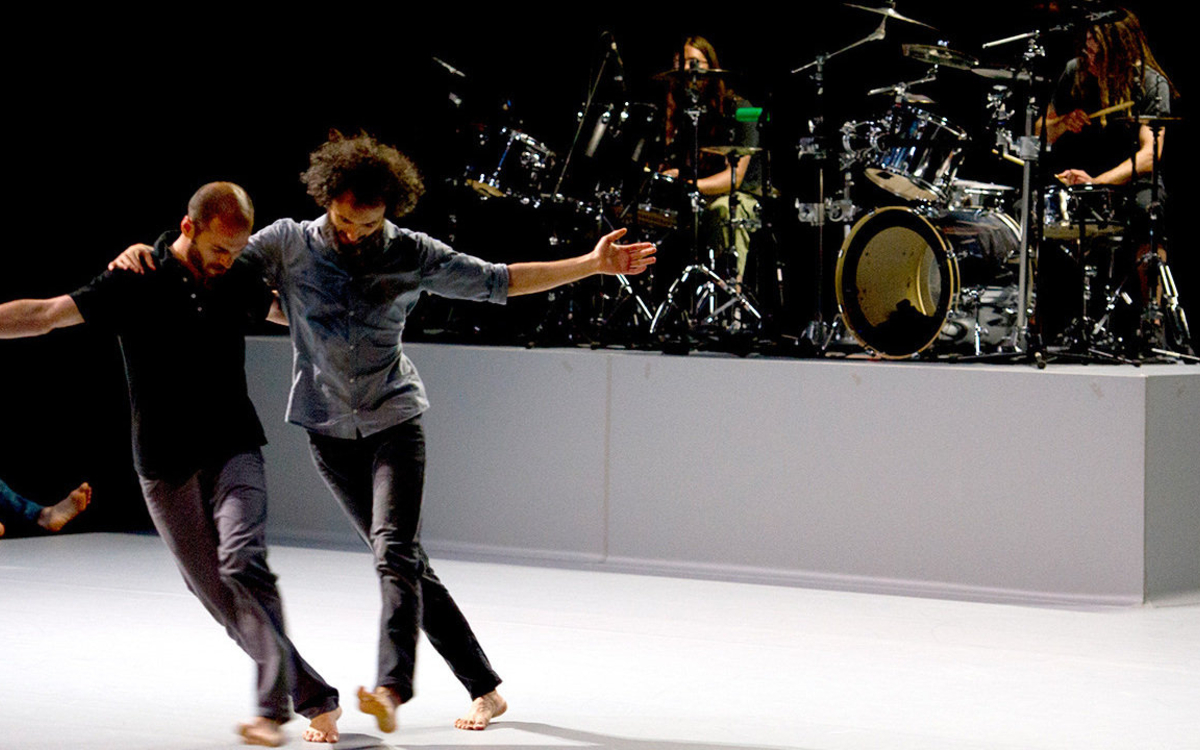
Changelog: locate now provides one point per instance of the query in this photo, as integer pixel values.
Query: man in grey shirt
(347, 282)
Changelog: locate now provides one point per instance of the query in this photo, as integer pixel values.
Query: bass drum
(901, 271)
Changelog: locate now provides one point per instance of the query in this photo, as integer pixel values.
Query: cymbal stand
(1082, 331)
(1032, 148)
(1174, 317)
(819, 333)
(689, 315)
(712, 297)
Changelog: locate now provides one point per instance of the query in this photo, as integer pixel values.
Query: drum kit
(949, 268)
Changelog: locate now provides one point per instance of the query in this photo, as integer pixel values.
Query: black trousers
(214, 523)
(379, 481)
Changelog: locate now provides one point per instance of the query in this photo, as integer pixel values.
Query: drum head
(896, 278)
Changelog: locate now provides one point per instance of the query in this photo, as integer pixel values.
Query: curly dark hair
(371, 171)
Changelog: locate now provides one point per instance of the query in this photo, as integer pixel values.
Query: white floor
(104, 648)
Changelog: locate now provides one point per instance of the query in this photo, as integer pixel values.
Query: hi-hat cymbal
(738, 151)
(890, 13)
(1158, 121)
(934, 55)
(685, 73)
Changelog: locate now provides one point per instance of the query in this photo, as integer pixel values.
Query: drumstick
(1110, 110)
(1009, 157)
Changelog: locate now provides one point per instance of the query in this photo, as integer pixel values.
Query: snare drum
(512, 163)
(1094, 209)
(900, 272)
(917, 156)
(972, 194)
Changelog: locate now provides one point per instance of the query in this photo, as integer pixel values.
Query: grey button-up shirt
(346, 312)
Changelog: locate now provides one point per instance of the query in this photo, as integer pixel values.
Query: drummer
(717, 126)
(1091, 127)
(1115, 68)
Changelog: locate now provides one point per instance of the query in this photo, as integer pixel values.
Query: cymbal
(677, 73)
(890, 13)
(907, 96)
(727, 150)
(1158, 121)
(1000, 74)
(934, 55)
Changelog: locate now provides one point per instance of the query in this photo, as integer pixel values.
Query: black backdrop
(114, 118)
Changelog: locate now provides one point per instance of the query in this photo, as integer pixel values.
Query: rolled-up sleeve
(449, 273)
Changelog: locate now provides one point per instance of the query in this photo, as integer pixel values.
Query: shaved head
(224, 200)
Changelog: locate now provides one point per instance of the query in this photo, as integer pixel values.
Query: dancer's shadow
(572, 738)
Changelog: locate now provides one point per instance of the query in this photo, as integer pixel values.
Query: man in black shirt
(196, 436)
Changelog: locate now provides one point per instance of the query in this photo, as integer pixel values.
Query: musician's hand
(1075, 121)
(1075, 177)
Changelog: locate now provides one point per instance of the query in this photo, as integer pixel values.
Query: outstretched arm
(607, 257)
(34, 317)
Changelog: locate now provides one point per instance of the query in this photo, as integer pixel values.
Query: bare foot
(381, 704)
(483, 710)
(56, 516)
(323, 727)
(262, 731)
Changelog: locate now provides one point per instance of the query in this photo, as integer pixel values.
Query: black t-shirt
(1100, 147)
(184, 352)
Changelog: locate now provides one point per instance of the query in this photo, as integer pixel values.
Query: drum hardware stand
(627, 306)
(1031, 149)
(704, 310)
(1021, 344)
(1024, 344)
(975, 297)
(1152, 318)
(1174, 312)
(1171, 319)
(705, 295)
(564, 322)
(1086, 339)
(819, 334)
(628, 309)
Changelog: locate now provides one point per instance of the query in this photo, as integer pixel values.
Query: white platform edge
(481, 400)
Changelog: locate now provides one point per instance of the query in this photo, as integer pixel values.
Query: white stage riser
(1073, 485)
